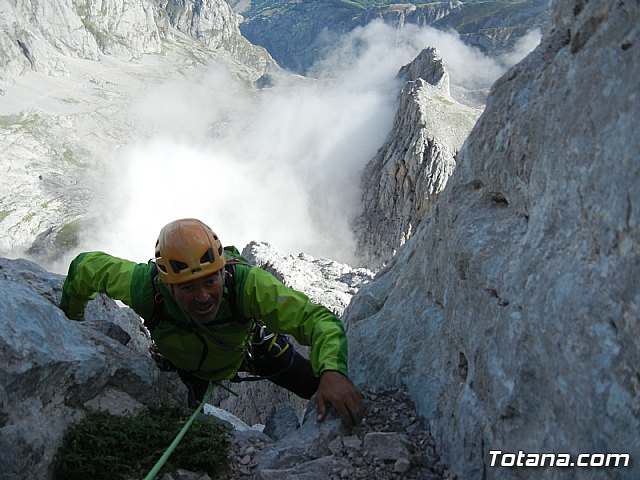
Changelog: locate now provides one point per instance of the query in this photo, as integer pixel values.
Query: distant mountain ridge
(38, 36)
(295, 32)
(69, 70)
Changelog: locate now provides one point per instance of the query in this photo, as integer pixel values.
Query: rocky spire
(401, 182)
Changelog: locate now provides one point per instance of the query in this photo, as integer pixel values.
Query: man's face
(200, 299)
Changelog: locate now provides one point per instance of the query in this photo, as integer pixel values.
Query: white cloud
(522, 48)
(381, 49)
(280, 165)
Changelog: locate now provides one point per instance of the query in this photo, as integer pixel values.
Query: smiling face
(200, 299)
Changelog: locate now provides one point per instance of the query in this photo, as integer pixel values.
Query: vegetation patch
(4, 214)
(103, 446)
(18, 120)
(73, 154)
(68, 236)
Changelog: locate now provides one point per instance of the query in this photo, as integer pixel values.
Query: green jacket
(218, 354)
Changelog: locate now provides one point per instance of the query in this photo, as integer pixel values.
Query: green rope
(227, 389)
(156, 468)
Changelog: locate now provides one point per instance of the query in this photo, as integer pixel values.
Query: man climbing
(211, 315)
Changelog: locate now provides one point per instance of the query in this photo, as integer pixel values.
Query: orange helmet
(186, 250)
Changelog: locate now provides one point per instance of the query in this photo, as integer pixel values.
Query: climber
(212, 315)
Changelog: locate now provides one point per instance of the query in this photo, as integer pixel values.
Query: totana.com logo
(523, 459)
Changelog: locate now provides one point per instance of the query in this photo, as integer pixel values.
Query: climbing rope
(163, 459)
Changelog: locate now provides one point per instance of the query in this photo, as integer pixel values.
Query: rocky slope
(296, 33)
(392, 442)
(401, 183)
(511, 316)
(54, 370)
(40, 36)
(70, 75)
(493, 27)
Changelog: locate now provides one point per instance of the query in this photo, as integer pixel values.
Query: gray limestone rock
(214, 24)
(40, 35)
(281, 421)
(512, 314)
(386, 445)
(325, 281)
(53, 370)
(427, 66)
(309, 446)
(401, 183)
(317, 469)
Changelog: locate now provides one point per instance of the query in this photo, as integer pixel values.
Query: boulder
(54, 370)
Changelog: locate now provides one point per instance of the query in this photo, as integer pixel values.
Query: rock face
(38, 35)
(325, 281)
(213, 23)
(493, 27)
(512, 315)
(53, 370)
(401, 183)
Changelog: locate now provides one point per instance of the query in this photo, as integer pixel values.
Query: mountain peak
(428, 66)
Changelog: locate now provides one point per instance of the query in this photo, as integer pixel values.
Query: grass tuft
(103, 446)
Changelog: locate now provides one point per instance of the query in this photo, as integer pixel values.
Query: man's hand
(339, 391)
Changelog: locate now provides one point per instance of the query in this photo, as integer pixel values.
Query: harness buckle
(259, 337)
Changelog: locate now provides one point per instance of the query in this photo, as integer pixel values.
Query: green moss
(109, 447)
(70, 100)
(68, 155)
(68, 236)
(20, 120)
(444, 100)
(4, 214)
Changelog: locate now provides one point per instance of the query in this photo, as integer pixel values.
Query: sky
(281, 164)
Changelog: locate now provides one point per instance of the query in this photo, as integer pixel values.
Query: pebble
(352, 442)
(387, 412)
(402, 465)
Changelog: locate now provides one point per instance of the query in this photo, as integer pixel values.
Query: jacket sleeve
(285, 310)
(93, 272)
